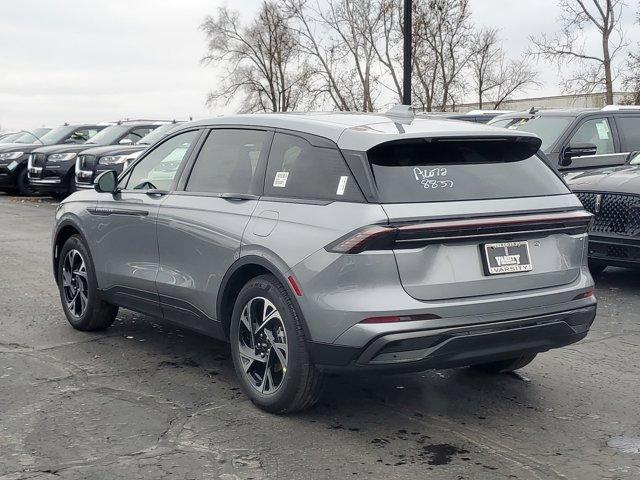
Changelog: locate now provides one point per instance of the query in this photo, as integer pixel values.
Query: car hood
(623, 179)
(17, 147)
(64, 148)
(113, 150)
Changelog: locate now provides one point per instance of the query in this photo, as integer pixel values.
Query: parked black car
(581, 139)
(52, 168)
(92, 162)
(13, 156)
(612, 195)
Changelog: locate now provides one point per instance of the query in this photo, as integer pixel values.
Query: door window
(596, 132)
(629, 128)
(137, 134)
(300, 170)
(158, 169)
(227, 162)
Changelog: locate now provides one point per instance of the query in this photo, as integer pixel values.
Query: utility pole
(406, 80)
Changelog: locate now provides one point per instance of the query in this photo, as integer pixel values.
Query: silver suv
(335, 242)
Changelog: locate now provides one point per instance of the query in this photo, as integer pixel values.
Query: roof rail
(613, 108)
(487, 112)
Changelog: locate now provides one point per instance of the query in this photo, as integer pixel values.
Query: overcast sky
(70, 61)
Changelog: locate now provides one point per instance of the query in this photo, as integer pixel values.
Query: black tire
(97, 314)
(505, 366)
(300, 386)
(22, 183)
(596, 268)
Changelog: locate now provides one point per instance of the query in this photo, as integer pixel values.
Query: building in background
(587, 100)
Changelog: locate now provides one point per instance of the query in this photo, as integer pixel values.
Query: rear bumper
(458, 346)
(614, 250)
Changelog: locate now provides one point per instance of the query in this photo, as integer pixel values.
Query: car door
(126, 257)
(598, 132)
(200, 227)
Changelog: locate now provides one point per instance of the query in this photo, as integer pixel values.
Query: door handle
(238, 196)
(154, 192)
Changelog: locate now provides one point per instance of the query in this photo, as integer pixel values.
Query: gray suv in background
(335, 242)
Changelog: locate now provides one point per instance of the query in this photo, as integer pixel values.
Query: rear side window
(431, 171)
(629, 128)
(298, 169)
(227, 162)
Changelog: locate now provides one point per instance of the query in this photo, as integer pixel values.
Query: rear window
(432, 171)
(629, 128)
(298, 169)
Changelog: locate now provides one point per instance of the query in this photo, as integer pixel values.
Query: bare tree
(443, 50)
(260, 60)
(483, 60)
(594, 71)
(495, 76)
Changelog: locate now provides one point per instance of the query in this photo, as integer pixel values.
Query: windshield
(548, 128)
(10, 138)
(57, 135)
(33, 137)
(109, 135)
(156, 134)
(420, 171)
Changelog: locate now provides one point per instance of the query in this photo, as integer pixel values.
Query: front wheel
(505, 366)
(22, 183)
(269, 349)
(82, 305)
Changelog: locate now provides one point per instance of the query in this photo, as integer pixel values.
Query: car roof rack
(615, 108)
(487, 112)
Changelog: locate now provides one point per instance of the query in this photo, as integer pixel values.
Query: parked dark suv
(14, 156)
(335, 242)
(580, 139)
(52, 169)
(92, 162)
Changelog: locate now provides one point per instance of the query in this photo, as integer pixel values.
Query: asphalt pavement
(148, 400)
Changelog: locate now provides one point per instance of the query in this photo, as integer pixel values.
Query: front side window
(418, 170)
(137, 134)
(227, 162)
(158, 169)
(595, 132)
(82, 135)
(300, 170)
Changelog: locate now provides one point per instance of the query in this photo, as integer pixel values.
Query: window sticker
(603, 130)
(342, 185)
(281, 179)
(432, 177)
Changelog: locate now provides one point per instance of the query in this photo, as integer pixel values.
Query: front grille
(616, 213)
(87, 162)
(39, 160)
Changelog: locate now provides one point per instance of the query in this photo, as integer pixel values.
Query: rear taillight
(587, 294)
(417, 234)
(400, 318)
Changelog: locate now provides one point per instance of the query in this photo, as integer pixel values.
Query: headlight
(11, 155)
(112, 159)
(61, 157)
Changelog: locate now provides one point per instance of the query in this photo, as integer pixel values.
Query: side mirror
(126, 141)
(633, 158)
(107, 182)
(577, 150)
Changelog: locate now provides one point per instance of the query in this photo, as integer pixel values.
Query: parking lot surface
(147, 400)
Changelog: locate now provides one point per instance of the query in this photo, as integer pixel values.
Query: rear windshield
(434, 171)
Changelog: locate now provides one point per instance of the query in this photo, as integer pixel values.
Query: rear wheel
(269, 349)
(79, 289)
(505, 366)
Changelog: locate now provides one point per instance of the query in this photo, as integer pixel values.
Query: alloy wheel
(262, 342)
(75, 285)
